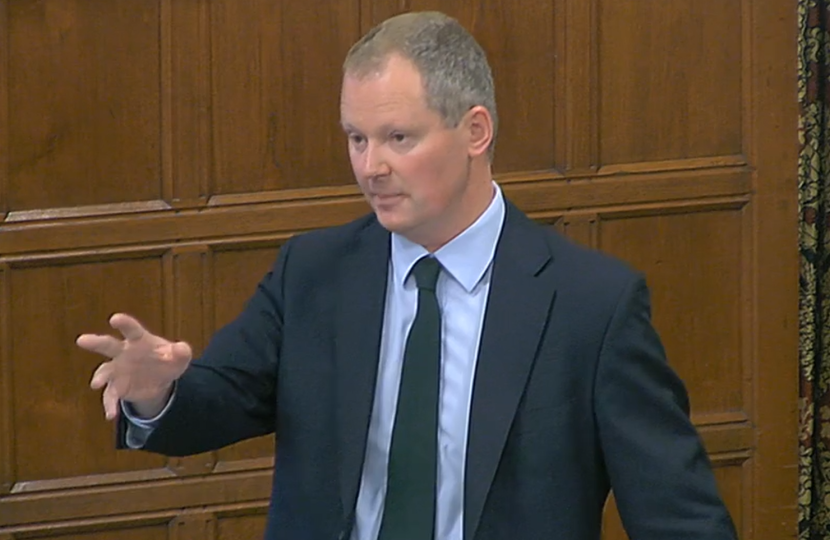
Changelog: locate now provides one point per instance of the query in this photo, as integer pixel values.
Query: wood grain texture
(694, 272)
(186, 303)
(49, 307)
(186, 101)
(773, 146)
(534, 196)
(154, 155)
(115, 503)
(670, 79)
(7, 427)
(83, 102)
(4, 110)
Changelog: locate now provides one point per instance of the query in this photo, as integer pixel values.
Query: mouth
(385, 201)
(386, 197)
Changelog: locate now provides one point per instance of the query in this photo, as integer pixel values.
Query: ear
(479, 127)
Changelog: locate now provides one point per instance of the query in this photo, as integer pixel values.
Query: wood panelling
(670, 79)
(577, 103)
(6, 397)
(186, 275)
(533, 193)
(525, 90)
(581, 227)
(186, 101)
(276, 77)
(240, 527)
(83, 102)
(733, 482)
(4, 111)
(154, 155)
(50, 306)
(193, 525)
(139, 500)
(694, 269)
(772, 151)
(155, 532)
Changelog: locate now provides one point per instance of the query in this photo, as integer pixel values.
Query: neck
(476, 203)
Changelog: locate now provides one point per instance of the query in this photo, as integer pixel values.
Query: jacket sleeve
(659, 471)
(229, 393)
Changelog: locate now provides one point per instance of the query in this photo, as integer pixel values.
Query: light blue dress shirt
(462, 290)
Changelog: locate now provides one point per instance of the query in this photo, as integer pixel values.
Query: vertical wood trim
(4, 109)
(747, 90)
(582, 228)
(193, 525)
(188, 100)
(7, 468)
(748, 341)
(560, 78)
(184, 320)
(748, 327)
(166, 86)
(581, 72)
(208, 296)
(773, 144)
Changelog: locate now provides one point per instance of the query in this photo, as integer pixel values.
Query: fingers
(130, 328)
(110, 402)
(101, 376)
(105, 345)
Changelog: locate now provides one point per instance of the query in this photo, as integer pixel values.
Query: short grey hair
(452, 65)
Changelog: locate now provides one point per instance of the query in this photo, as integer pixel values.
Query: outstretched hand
(142, 366)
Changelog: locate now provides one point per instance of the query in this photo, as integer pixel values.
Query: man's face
(412, 169)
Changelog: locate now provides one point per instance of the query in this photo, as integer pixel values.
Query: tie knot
(426, 273)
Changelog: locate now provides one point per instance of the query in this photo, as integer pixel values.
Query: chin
(392, 222)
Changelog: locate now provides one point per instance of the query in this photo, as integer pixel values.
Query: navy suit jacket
(572, 395)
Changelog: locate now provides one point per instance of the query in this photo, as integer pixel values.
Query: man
(442, 368)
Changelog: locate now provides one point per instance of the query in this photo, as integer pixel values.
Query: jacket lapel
(360, 307)
(518, 307)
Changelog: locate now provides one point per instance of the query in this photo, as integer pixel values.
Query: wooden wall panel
(4, 113)
(155, 153)
(732, 481)
(6, 397)
(693, 264)
(244, 527)
(156, 532)
(670, 79)
(83, 102)
(50, 305)
(525, 90)
(186, 101)
(276, 81)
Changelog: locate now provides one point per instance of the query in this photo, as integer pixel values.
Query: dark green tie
(409, 509)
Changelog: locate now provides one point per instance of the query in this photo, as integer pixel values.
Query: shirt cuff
(140, 429)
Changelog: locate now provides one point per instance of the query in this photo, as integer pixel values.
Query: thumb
(181, 352)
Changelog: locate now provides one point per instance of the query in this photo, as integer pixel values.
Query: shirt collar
(466, 257)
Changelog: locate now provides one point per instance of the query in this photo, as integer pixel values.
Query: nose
(374, 161)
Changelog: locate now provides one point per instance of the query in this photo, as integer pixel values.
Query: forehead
(393, 92)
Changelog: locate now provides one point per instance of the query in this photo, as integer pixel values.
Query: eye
(399, 137)
(356, 140)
